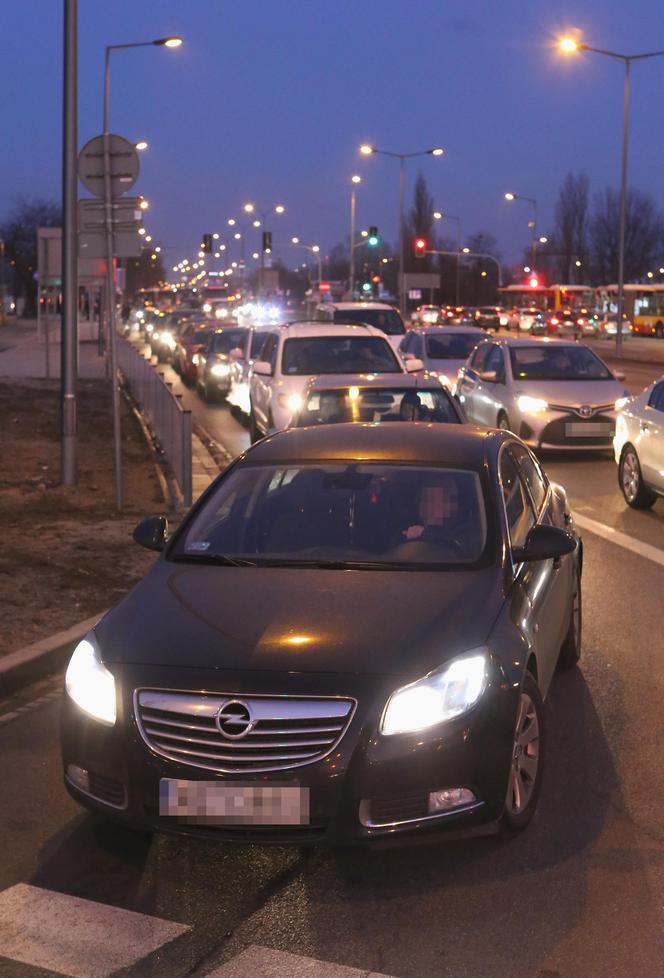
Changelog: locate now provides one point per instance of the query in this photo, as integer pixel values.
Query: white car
(551, 393)
(426, 314)
(527, 317)
(377, 314)
(443, 350)
(294, 353)
(638, 446)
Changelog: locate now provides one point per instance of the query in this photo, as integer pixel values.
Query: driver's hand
(413, 532)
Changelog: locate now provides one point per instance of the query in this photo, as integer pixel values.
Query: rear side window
(478, 358)
(518, 509)
(656, 399)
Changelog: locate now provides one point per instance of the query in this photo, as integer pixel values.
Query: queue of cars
(264, 681)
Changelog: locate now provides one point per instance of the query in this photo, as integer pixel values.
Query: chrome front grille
(236, 734)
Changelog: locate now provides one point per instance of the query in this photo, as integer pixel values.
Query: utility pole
(69, 321)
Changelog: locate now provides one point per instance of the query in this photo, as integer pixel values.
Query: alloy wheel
(630, 476)
(525, 757)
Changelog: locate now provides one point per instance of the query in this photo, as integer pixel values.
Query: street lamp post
(450, 217)
(171, 42)
(367, 150)
(570, 45)
(354, 180)
(533, 224)
(314, 249)
(250, 209)
(69, 329)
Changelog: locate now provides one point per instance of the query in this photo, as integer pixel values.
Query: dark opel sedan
(350, 635)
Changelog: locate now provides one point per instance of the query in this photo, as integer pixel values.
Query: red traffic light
(420, 247)
(375, 279)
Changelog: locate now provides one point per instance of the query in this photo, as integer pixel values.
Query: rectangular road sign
(126, 244)
(126, 213)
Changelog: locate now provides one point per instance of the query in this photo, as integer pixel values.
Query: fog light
(450, 798)
(79, 777)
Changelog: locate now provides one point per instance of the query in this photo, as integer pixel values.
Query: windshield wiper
(221, 560)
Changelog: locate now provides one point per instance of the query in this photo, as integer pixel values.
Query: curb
(42, 658)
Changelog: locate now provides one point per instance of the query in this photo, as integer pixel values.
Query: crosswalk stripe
(75, 937)
(268, 963)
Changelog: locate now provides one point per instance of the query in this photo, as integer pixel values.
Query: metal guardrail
(170, 422)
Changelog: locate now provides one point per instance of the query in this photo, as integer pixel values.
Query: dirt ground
(64, 552)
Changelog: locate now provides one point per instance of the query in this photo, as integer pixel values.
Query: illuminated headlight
(194, 359)
(220, 370)
(149, 328)
(531, 405)
(220, 312)
(167, 339)
(291, 401)
(620, 403)
(444, 380)
(89, 683)
(207, 307)
(442, 695)
(140, 314)
(155, 333)
(504, 320)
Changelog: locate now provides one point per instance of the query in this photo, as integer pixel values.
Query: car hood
(572, 393)
(449, 367)
(301, 620)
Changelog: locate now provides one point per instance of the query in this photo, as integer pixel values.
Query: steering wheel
(453, 543)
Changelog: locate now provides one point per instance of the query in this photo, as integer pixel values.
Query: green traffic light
(373, 241)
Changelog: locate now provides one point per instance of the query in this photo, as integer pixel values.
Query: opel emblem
(585, 411)
(234, 720)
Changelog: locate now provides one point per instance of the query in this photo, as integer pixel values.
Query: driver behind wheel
(439, 511)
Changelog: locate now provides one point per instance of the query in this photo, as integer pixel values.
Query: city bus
(546, 298)
(643, 306)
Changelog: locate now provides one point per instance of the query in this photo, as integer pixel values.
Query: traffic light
(207, 243)
(420, 247)
(375, 279)
(267, 242)
(373, 238)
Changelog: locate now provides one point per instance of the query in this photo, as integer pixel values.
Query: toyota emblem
(585, 411)
(234, 720)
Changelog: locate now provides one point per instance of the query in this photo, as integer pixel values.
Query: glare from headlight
(89, 683)
(167, 339)
(620, 403)
(155, 334)
(440, 696)
(149, 328)
(207, 307)
(444, 380)
(220, 370)
(531, 405)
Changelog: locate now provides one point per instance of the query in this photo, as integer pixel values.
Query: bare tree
(419, 224)
(570, 235)
(644, 235)
(19, 233)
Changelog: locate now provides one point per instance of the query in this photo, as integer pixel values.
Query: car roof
(357, 305)
(306, 329)
(373, 381)
(459, 445)
(450, 330)
(527, 341)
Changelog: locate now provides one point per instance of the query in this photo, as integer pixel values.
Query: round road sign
(124, 165)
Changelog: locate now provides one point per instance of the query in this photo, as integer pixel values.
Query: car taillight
(555, 321)
(580, 322)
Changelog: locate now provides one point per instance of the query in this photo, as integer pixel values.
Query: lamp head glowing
(437, 151)
(279, 209)
(366, 149)
(356, 179)
(568, 45)
(295, 240)
(509, 195)
(141, 144)
(169, 42)
(437, 216)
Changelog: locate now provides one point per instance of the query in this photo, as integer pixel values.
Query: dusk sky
(268, 101)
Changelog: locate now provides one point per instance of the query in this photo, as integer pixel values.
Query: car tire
(570, 650)
(503, 422)
(525, 780)
(254, 431)
(635, 493)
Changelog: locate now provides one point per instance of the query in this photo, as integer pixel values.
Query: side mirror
(263, 368)
(544, 543)
(152, 533)
(619, 375)
(413, 364)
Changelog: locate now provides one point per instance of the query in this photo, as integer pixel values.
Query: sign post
(108, 167)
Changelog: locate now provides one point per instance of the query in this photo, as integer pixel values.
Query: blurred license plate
(583, 429)
(216, 803)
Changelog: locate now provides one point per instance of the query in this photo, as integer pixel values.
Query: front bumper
(550, 431)
(370, 786)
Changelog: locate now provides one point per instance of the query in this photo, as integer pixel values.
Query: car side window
(495, 361)
(479, 356)
(269, 351)
(518, 508)
(656, 399)
(406, 343)
(416, 345)
(531, 474)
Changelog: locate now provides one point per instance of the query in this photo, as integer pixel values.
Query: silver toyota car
(552, 393)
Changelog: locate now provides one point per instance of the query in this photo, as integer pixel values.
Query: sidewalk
(26, 355)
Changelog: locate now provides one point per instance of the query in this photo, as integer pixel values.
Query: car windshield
(341, 514)
(200, 335)
(228, 340)
(544, 362)
(451, 346)
(373, 405)
(339, 355)
(388, 320)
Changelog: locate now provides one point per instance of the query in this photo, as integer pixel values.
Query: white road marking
(76, 937)
(620, 539)
(268, 963)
